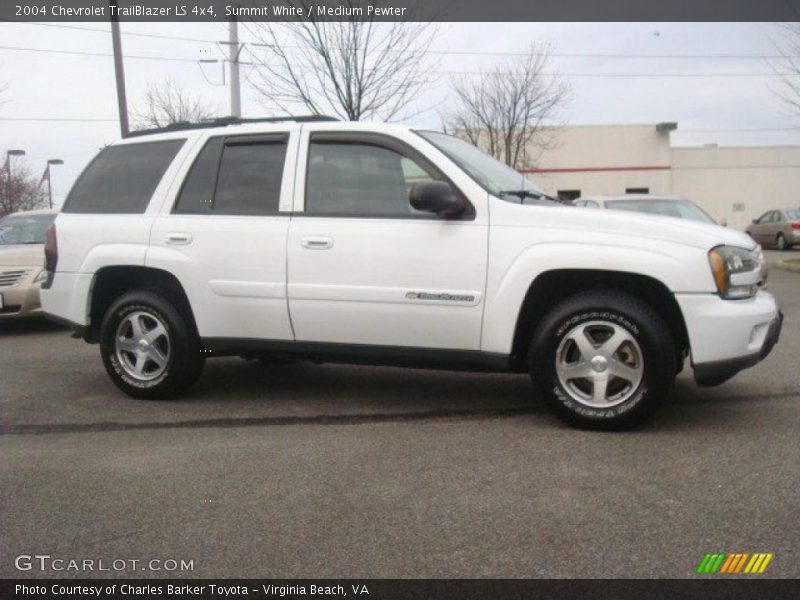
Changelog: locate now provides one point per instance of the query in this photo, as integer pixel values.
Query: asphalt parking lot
(337, 471)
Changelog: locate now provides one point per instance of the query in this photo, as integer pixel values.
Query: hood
(22, 255)
(618, 222)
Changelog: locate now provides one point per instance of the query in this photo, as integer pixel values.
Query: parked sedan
(779, 228)
(665, 206)
(22, 238)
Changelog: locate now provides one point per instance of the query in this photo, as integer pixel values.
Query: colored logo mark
(731, 563)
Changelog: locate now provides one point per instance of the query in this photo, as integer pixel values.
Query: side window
(249, 181)
(235, 176)
(778, 217)
(764, 218)
(592, 204)
(197, 194)
(360, 179)
(122, 179)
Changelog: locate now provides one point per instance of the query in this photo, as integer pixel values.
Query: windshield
(493, 175)
(21, 229)
(681, 209)
(792, 214)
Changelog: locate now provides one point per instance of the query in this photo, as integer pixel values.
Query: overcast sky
(715, 100)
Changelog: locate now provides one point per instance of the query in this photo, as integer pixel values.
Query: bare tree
(166, 103)
(355, 69)
(506, 110)
(20, 190)
(788, 69)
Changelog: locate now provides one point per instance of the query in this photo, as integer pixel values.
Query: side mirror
(436, 197)
(755, 221)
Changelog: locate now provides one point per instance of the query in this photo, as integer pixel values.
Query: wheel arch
(112, 281)
(552, 286)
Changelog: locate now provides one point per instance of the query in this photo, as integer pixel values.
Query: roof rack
(225, 121)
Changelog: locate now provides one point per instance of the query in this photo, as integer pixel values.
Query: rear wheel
(780, 242)
(148, 347)
(603, 360)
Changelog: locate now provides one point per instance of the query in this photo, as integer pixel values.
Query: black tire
(653, 355)
(184, 359)
(780, 242)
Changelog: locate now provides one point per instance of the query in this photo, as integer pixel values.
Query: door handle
(318, 243)
(178, 238)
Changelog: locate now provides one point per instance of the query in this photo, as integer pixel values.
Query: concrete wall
(755, 178)
(605, 159)
(733, 183)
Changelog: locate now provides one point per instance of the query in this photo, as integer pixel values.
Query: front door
(367, 268)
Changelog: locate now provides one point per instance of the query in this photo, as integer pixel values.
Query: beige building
(733, 183)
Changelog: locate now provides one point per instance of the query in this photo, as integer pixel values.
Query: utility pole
(118, 71)
(233, 50)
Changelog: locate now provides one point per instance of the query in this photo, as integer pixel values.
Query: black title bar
(398, 589)
(400, 10)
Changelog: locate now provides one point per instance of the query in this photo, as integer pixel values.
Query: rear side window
(121, 179)
(197, 194)
(235, 176)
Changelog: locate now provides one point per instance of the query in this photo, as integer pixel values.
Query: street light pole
(52, 161)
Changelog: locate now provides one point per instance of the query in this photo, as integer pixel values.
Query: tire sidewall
(656, 380)
(116, 315)
(185, 361)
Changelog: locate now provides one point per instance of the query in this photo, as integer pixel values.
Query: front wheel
(603, 360)
(148, 347)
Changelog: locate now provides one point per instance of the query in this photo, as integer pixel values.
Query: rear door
(224, 236)
(364, 266)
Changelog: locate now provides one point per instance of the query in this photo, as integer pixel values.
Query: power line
(102, 54)
(452, 52)
(444, 72)
(62, 119)
(116, 120)
(125, 33)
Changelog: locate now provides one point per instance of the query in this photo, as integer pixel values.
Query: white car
(383, 244)
(650, 204)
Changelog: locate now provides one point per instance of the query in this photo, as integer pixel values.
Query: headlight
(40, 277)
(737, 272)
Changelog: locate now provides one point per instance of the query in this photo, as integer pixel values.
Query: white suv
(381, 244)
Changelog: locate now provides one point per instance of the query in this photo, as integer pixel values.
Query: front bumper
(726, 336)
(21, 299)
(710, 374)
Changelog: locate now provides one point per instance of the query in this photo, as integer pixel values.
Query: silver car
(664, 206)
(22, 239)
(778, 228)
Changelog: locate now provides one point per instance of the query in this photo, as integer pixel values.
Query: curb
(786, 266)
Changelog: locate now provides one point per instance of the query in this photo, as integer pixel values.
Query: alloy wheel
(142, 345)
(599, 364)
